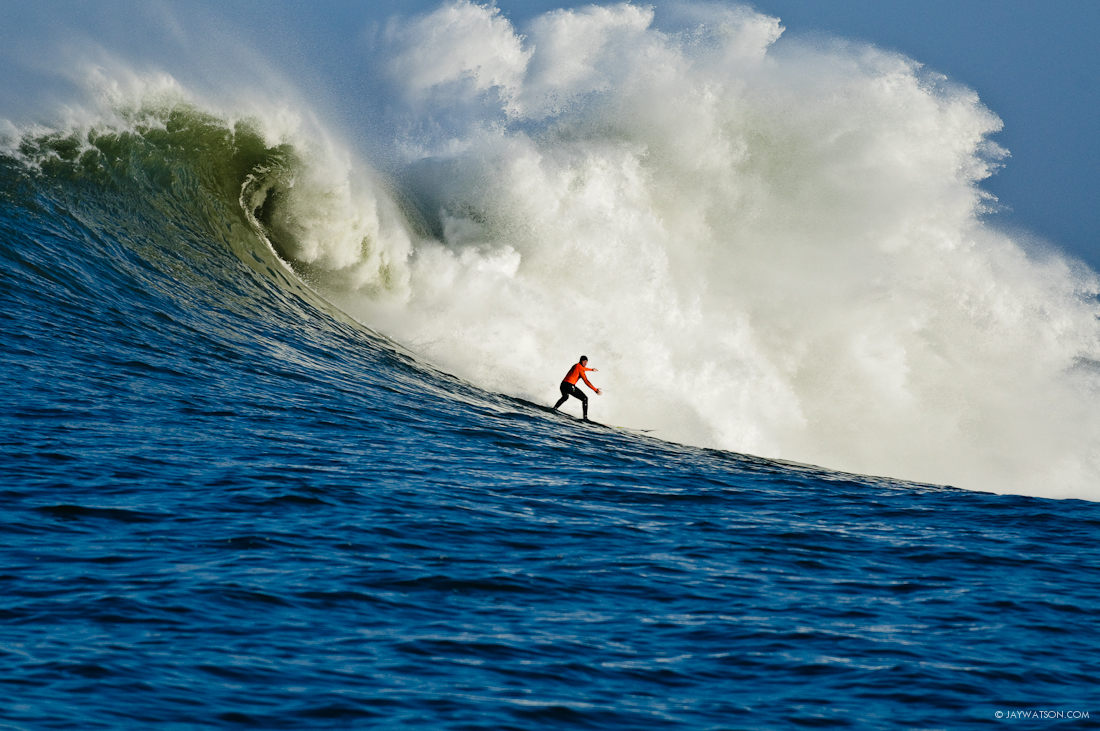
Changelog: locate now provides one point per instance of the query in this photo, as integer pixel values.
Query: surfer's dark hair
(583, 357)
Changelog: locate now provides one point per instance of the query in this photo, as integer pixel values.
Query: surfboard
(566, 415)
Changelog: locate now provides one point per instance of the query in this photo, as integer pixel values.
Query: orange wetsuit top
(577, 371)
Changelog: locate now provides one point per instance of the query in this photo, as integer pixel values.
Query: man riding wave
(569, 384)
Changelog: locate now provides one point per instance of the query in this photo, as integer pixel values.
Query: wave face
(770, 248)
(766, 247)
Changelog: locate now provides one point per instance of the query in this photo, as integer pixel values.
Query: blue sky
(1033, 63)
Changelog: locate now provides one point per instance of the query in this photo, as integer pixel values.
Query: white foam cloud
(460, 48)
(767, 247)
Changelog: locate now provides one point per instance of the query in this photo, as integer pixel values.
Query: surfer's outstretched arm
(588, 382)
(569, 384)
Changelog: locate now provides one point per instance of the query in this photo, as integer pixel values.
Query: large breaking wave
(765, 246)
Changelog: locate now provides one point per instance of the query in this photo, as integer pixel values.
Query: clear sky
(1035, 64)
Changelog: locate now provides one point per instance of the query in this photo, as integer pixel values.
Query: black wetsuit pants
(570, 389)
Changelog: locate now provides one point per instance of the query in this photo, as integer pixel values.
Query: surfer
(569, 384)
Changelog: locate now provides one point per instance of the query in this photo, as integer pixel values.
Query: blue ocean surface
(226, 504)
(275, 445)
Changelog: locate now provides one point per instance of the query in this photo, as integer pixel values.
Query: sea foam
(769, 247)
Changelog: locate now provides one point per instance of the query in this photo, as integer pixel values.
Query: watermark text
(1019, 714)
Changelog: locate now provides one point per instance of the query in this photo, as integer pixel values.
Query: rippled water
(226, 505)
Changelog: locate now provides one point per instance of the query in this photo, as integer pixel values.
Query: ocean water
(274, 449)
